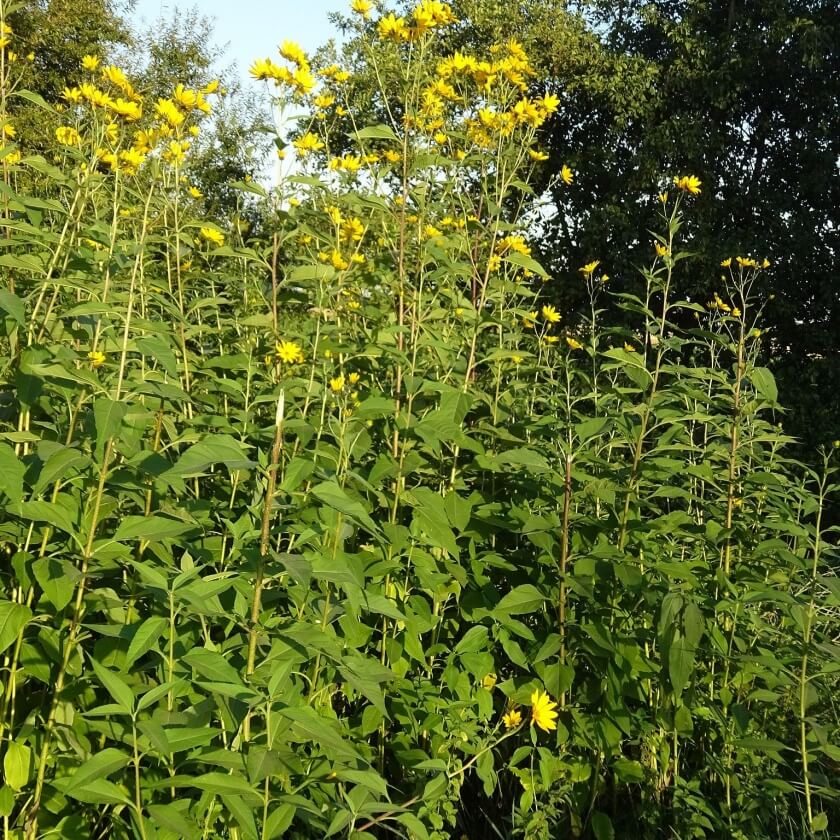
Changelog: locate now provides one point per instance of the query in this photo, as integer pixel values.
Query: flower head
(90, 62)
(213, 236)
(362, 7)
(589, 268)
(337, 384)
(567, 175)
(688, 183)
(289, 352)
(96, 358)
(542, 711)
(550, 314)
(512, 719)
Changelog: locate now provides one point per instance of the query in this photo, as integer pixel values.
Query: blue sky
(254, 28)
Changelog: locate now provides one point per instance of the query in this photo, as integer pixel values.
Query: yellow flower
(567, 175)
(289, 352)
(354, 378)
(542, 711)
(537, 155)
(663, 197)
(131, 111)
(263, 68)
(629, 347)
(688, 183)
(550, 314)
(337, 384)
(573, 343)
(517, 360)
(9, 130)
(308, 143)
(529, 320)
(392, 156)
(211, 87)
(352, 230)
(512, 719)
(72, 94)
(362, 7)
(393, 28)
(589, 268)
(13, 157)
(338, 262)
(661, 250)
(346, 163)
(726, 263)
(489, 681)
(90, 62)
(293, 52)
(213, 236)
(67, 135)
(168, 110)
(513, 243)
(195, 192)
(96, 358)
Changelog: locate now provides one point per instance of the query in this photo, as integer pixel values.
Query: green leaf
(602, 826)
(525, 598)
(820, 821)
(100, 792)
(144, 639)
(212, 450)
(115, 686)
(101, 764)
(48, 512)
(765, 384)
(376, 132)
(13, 618)
(335, 497)
(13, 306)
(212, 666)
(108, 416)
(17, 765)
(170, 817)
(57, 578)
(224, 783)
(150, 528)
(11, 474)
(680, 663)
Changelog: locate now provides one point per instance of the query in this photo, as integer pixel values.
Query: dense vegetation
(337, 523)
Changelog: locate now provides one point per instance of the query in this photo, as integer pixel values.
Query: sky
(254, 28)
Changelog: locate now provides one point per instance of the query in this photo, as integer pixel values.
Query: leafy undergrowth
(342, 530)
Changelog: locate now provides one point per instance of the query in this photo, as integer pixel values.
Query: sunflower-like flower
(542, 711)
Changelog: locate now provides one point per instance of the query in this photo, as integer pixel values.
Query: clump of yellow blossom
(589, 269)
(67, 135)
(96, 358)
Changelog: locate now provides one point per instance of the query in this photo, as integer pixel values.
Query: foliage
(341, 530)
